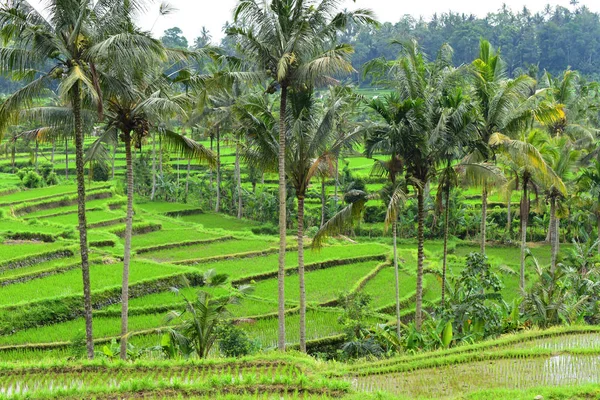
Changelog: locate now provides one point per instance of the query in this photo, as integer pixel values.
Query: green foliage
(234, 342)
(33, 180)
(474, 299)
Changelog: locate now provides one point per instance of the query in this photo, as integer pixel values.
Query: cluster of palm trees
(471, 125)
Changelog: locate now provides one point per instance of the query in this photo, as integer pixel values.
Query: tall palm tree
(590, 182)
(132, 109)
(311, 146)
(394, 196)
(407, 132)
(455, 133)
(294, 43)
(533, 173)
(63, 45)
(506, 106)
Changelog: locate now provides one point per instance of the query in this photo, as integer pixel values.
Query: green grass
(382, 287)
(34, 194)
(66, 331)
(41, 267)
(243, 267)
(200, 251)
(161, 207)
(20, 249)
(319, 324)
(169, 297)
(220, 221)
(93, 217)
(92, 204)
(321, 286)
(165, 236)
(102, 276)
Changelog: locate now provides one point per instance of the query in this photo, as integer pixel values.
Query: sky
(192, 15)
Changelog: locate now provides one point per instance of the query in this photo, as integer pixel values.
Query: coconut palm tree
(64, 45)
(409, 116)
(507, 106)
(534, 173)
(131, 110)
(312, 146)
(590, 182)
(294, 43)
(394, 196)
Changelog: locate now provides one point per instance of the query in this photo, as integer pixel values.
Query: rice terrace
(319, 201)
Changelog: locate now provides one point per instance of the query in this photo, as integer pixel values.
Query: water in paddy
(452, 380)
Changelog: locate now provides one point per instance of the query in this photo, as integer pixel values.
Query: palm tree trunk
(420, 257)
(210, 174)
(160, 158)
(282, 222)
(127, 252)
(337, 183)
(52, 154)
(322, 201)
(187, 179)
(484, 201)
(37, 149)
(301, 273)
(397, 274)
(598, 223)
(114, 157)
(446, 229)
(524, 216)
(509, 218)
(553, 234)
(238, 178)
(153, 192)
(81, 219)
(13, 154)
(67, 158)
(218, 204)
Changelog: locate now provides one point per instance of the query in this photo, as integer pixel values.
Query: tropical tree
(507, 106)
(294, 43)
(138, 103)
(534, 174)
(409, 118)
(590, 182)
(197, 322)
(311, 147)
(394, 196)
(454, 134)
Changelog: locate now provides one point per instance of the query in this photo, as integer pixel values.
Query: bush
(33, 180)
(52, 179)
(265, 230)
(234, 342)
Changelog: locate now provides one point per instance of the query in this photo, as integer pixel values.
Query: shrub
(265, 230)
(234, 342)
(52, 179)
(32, 180)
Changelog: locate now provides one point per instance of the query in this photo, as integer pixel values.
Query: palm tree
(294, 43)
(533, 172)
(506, 106)
(64, 45)
(311, 147)
(590, 181)
(409, 118)
(454, 133)
(131, 111)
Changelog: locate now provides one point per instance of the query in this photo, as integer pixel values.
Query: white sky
(191, 15)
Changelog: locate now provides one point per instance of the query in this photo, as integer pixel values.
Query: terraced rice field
(40, 268)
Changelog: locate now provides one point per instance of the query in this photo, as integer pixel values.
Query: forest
(319, 206)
